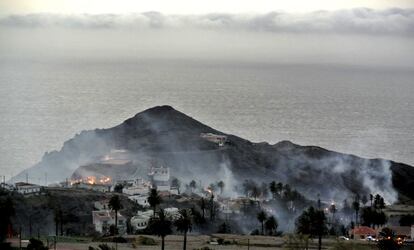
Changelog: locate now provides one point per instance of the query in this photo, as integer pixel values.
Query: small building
(362, 232)
(101, 205)
(140, 199)
(160, 178)
(27, 188)
(103, 219)
(138, 187)
(140, 221)
(95, 187)
(218, 139)
(138, 192)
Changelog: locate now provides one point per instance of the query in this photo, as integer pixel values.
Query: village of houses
(137, 190)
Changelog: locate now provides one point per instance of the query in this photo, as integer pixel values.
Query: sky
(8, 7)
(363, 32)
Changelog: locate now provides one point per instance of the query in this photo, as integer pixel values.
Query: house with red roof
(362, 232)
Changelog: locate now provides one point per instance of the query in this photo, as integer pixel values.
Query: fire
(92, 180)
(105, 180)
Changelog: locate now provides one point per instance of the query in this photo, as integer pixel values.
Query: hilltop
(166, 134)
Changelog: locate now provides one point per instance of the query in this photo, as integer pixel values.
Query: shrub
(35, 244)
(146, 241)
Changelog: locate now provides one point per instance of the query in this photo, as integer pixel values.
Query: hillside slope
(168, 135)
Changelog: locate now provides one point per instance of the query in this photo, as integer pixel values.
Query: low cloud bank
(393, 21)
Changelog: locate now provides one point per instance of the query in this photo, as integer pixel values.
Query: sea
(366, 111)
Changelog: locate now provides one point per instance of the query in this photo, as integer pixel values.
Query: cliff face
(168, 135)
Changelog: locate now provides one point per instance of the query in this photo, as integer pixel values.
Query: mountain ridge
(164, 133)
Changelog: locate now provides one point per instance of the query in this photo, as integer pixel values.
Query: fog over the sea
(357, 36)
(63, 73)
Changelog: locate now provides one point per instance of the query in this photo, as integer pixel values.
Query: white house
(140, 221)
(160, 177)
(218, 139)
(138, 192)
(139, 187)
(27, 188)
(103, 219)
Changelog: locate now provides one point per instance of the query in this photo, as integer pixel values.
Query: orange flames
(92, 180)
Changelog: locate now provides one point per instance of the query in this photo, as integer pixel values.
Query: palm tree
(115, 204)
(154, 199)
(203, 206)
(273, 189)
(221, 185)
(176, 183)
(261, 216)
(371, 198)
(193, 185)
(355, 206)
(161, 226)
(255, 192)
(279, 188)
(333, 210)
(184, 224)
(271, 225)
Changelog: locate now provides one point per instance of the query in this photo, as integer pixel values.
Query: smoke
(343, 176)
(361, 20)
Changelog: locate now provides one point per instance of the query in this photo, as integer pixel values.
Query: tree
(406, 220)
(6, 212)
(118, 188)
(387, 241)
(333, 210)
(193, 185)
(381, 204)
(35, 244)
(160, 226)
(377, 201)
(312, 222)
(255, 192)
(224, 228)
(273, 189)
(221, 185)
(212, 208)
(154, 199)
(261, 217)
(356, 206)
(264, 192)
(371, 198)
(184, 224)
(271, 225)
(203, 206)
(364, 200)
(176, 184)
(115, 205)
(279, 188)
